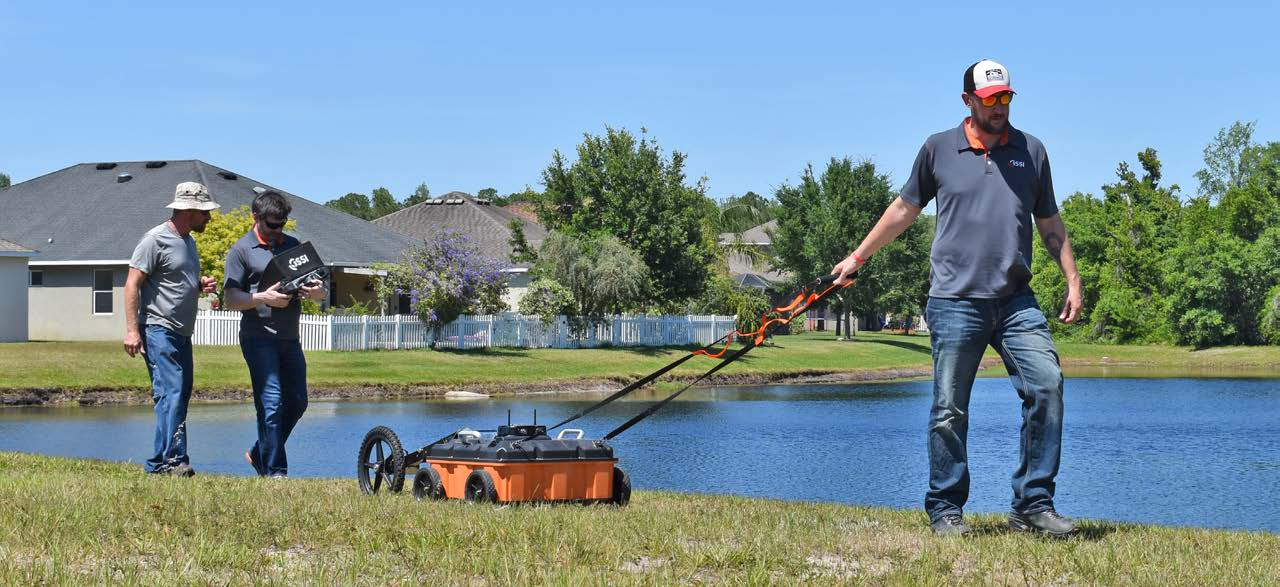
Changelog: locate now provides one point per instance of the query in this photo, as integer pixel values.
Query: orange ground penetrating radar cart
(523, 463)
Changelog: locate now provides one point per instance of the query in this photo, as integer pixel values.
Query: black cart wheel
(480, 487)
(381, 462)
(621, 488)
(427, 484)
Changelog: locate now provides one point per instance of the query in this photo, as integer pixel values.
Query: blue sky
(323, 99)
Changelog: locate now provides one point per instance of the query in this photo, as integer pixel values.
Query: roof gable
(485, 224)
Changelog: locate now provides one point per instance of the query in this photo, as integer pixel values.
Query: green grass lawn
(74, 521)
(103, 365)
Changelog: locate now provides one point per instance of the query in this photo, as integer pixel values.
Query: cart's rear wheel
(480, 487)
(427, 483)
(381, 462)
(621, 488)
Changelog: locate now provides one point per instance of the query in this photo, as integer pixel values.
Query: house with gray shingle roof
(753, 270)
(86, 219)
(13, 290)
(487, 226)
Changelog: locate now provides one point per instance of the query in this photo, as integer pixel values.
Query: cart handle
(567, 431)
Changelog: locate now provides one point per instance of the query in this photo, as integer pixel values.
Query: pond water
(1188, 452)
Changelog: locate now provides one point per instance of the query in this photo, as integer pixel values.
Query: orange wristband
(858, 258)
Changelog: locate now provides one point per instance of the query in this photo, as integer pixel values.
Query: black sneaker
(950, 525)
(1047, 522)
(182, 470)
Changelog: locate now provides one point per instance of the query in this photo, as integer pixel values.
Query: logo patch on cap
(995, 75)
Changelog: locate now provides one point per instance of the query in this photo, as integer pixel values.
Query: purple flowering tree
(446, 277)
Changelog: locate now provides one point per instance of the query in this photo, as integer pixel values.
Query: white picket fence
(357, 333)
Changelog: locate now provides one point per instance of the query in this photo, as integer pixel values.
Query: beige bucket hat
(190, 195)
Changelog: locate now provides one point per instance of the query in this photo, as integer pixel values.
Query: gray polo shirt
(246, 260)
(982, 246)
(171, 292)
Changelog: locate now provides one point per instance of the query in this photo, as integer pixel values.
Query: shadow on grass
(524, 352)
(919, 347)
(1091, 531)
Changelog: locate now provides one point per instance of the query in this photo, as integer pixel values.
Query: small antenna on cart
(508, 416)
(535, 417)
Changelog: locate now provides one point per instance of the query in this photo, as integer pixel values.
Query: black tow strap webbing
(655, 407)
(632, 387)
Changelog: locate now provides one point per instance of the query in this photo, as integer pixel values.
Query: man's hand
(206, 284)
(313, 290)
(1073, 305)
(132, 343)
(845, 268)
(272, 297)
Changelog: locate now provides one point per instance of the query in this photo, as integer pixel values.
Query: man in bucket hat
(160, 301)
(992, 185)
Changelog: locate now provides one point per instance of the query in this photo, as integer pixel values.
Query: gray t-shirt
(246, 260)
(982, 245)
(171, 292)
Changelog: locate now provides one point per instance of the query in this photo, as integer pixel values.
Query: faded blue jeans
(960, 330)
(279, 374)
(168, 358)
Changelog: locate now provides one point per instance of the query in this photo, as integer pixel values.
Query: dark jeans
(279, 374)
(168, 358)
(960, 330)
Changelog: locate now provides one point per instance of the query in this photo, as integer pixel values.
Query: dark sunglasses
(274, 225)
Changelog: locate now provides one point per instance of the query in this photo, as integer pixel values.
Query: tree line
(631, 233)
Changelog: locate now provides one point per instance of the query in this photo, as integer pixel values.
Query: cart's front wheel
(621, 488)
(381, 462)
(480, 487)
(427, 483)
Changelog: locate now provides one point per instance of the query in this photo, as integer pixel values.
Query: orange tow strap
(797, 306)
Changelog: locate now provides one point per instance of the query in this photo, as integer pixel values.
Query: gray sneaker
(950, 525)
(182, 470)
(1048, 522)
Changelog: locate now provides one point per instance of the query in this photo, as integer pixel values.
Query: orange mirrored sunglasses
(1003, 98)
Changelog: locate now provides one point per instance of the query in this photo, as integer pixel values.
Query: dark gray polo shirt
(982, 246)
(246, 260)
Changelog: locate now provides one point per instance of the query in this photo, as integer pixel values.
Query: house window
(37, 278)
(102, 290)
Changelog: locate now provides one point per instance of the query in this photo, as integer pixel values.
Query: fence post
(399, 333)
(364, 333)
(330, 332)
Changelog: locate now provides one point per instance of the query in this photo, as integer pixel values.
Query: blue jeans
(168, 358)
(960, 330)
(279, 374)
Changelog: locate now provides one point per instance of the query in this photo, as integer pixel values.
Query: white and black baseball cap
(987, 77)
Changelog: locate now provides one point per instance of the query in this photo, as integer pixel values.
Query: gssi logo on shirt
(1016, 163)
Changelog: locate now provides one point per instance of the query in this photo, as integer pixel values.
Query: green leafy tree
(1142, 228)
(4, 181)
(487, 194)
(528, 195)
(383, 203)
(824, 217)
(419, 195)
(1269, 317)
(521, 250)
(724, 297)
(741, 213)
(354, 204)
(222, 231)
(603, 274)
(547, 299)
(1228, 160)
(623, 186)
